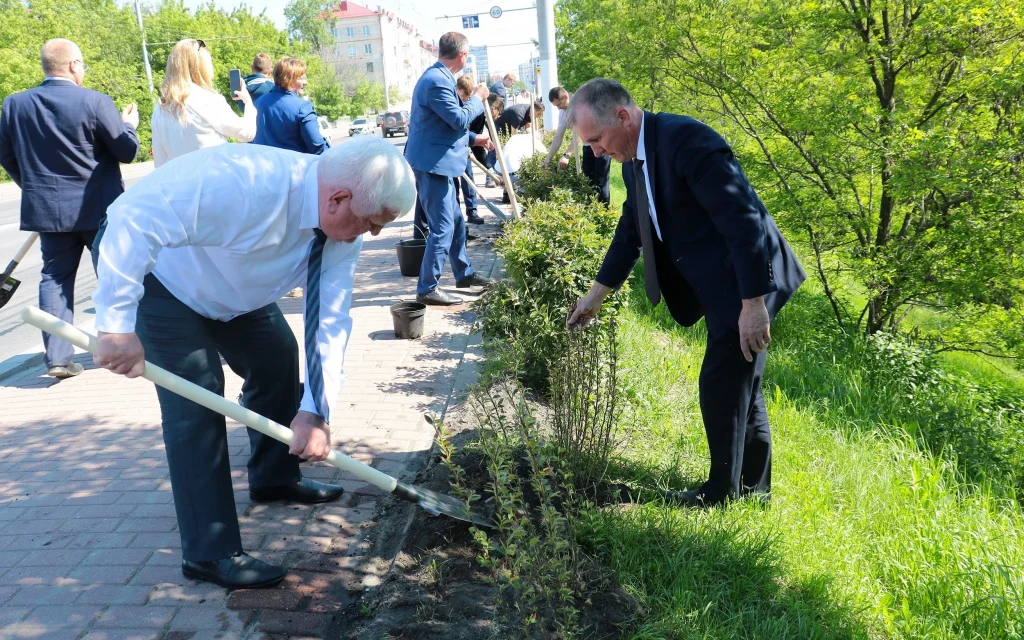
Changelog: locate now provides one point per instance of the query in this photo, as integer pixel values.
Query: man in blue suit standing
(63, 145)
(438, 145)
(710, 250)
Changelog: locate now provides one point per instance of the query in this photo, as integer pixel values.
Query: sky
(510, 29)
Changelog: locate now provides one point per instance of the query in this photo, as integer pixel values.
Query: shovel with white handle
(434, 503)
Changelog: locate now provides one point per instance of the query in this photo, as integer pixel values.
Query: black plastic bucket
(408, 318)
(410, 256)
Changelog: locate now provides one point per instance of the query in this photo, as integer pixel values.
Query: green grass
(895, 508)
(868, 535)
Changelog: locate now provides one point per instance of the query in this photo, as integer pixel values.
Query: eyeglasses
(202, 45)
(85, 67)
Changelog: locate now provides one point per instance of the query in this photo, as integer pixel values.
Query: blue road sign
(470, 22)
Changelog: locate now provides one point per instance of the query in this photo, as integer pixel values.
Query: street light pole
(145, 53)
(548, 59)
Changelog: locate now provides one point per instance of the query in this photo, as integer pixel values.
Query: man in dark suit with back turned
(710, 249)
(63, 145)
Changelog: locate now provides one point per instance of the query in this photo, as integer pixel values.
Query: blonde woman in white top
(191, 115)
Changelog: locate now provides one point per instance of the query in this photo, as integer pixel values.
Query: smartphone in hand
(235, 76)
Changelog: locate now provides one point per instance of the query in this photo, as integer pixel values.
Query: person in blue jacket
(286, 120)
(437, 150)
(63, 144)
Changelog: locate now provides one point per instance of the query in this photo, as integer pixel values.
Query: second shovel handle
(206, 398)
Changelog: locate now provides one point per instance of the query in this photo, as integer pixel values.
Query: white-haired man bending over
(190, 265)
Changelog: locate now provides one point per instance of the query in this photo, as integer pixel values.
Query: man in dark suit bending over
(63, 145)
(710, 249)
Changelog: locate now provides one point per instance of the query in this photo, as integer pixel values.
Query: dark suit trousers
(62, 253)
(598, 169)
(259, 347)
(735, 420)
(468, 193)
(447, 238)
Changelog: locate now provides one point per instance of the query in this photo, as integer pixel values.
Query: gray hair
(374, 171)
(451, 45)
(603, 97)
(57, 54)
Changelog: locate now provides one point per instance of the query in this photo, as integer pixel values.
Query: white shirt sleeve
(128, 252)
(226, 122)
(156, 125)
(334, 323)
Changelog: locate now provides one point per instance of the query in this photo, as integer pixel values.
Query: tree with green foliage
(368, 96)
(312, 22)
(111, 44)
(886, 136)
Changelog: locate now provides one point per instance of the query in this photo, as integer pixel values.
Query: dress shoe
(438, 297)
(489, 183)
(241, 571)
(69, 370)
(474, 218)
(699, 498)
(475, 280)
(304, 491)
(764, 498)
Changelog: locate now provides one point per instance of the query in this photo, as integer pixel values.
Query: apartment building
(379, 46)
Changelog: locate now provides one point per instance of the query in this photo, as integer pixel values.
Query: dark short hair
(556, 93)
(603, 97)
(451, 45)
(496, 101)
(263, 63)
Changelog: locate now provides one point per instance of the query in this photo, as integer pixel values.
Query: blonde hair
(188, 63)
(465, 85)
(287, 71)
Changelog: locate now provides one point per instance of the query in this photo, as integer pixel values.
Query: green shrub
(891, 380)
(537, 183)
(550, 257)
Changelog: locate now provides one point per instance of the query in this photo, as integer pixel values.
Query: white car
(360, 126)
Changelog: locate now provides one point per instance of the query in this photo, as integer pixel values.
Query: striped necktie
(314, 369)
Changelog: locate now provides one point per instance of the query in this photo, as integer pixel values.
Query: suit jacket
(286, 121)
(718, 243)
(499, 88)
(439, 124)
(63, 145)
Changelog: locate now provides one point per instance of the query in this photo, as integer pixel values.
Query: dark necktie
(643, 209)
(314, 369)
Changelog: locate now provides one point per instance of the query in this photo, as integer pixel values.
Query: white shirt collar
(641, 152)
(62, 78)
(311, 198)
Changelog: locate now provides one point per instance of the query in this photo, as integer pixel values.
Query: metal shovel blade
(7, 288)
(437, 504)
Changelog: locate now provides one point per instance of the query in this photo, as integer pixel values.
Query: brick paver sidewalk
(88, 539)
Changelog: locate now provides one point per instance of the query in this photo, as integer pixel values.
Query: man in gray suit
(63, 145)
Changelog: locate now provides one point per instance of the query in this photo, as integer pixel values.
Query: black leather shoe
(474, 218)
(438, 297)
(697, 498)
(475, 280)
(237, 572)
(763, 498)
(304, 491)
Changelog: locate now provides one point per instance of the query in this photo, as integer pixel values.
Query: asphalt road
(15, 336)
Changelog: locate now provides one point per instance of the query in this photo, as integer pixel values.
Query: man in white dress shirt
(190, 265)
